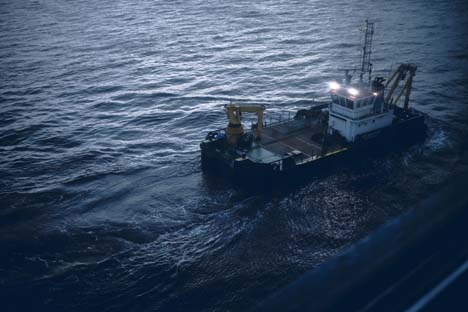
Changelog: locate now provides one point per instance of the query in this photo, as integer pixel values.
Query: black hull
(399, 136)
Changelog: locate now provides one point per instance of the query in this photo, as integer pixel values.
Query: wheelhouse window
(342, 101)
(335, 99)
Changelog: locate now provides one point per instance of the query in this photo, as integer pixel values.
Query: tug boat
(362, 117)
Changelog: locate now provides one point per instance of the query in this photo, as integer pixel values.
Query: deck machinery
(363, 116)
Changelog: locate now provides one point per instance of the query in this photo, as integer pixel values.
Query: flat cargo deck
(287, 137)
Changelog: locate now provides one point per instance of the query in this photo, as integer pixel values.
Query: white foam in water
(438, 141)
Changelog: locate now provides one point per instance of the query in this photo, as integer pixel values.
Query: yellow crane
(235, 130)
(403, 72)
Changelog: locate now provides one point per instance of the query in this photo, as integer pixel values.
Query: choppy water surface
(103, 104)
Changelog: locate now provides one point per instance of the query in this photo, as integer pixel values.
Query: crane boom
(404, 72)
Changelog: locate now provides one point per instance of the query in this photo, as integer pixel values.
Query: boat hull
(406, 131)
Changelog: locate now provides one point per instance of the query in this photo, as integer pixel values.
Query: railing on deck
(273, 120)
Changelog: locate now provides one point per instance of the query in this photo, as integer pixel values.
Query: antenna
(366, 65)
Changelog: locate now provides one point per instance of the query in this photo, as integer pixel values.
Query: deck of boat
(280, 139)
(290, 136)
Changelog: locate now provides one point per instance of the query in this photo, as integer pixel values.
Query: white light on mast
(353, 91)
(334, 85)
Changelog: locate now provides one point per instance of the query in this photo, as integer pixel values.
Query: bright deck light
(353, 91)
(334, 85)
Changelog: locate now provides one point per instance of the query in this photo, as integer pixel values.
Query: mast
(366, 65)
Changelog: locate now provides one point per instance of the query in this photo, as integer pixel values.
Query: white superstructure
(356, 110)
(359, 108)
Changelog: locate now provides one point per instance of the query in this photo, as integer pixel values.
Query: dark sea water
(103, 205)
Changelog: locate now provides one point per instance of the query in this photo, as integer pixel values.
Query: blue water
(103, 205)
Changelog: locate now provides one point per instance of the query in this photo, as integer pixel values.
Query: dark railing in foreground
(418, 261)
